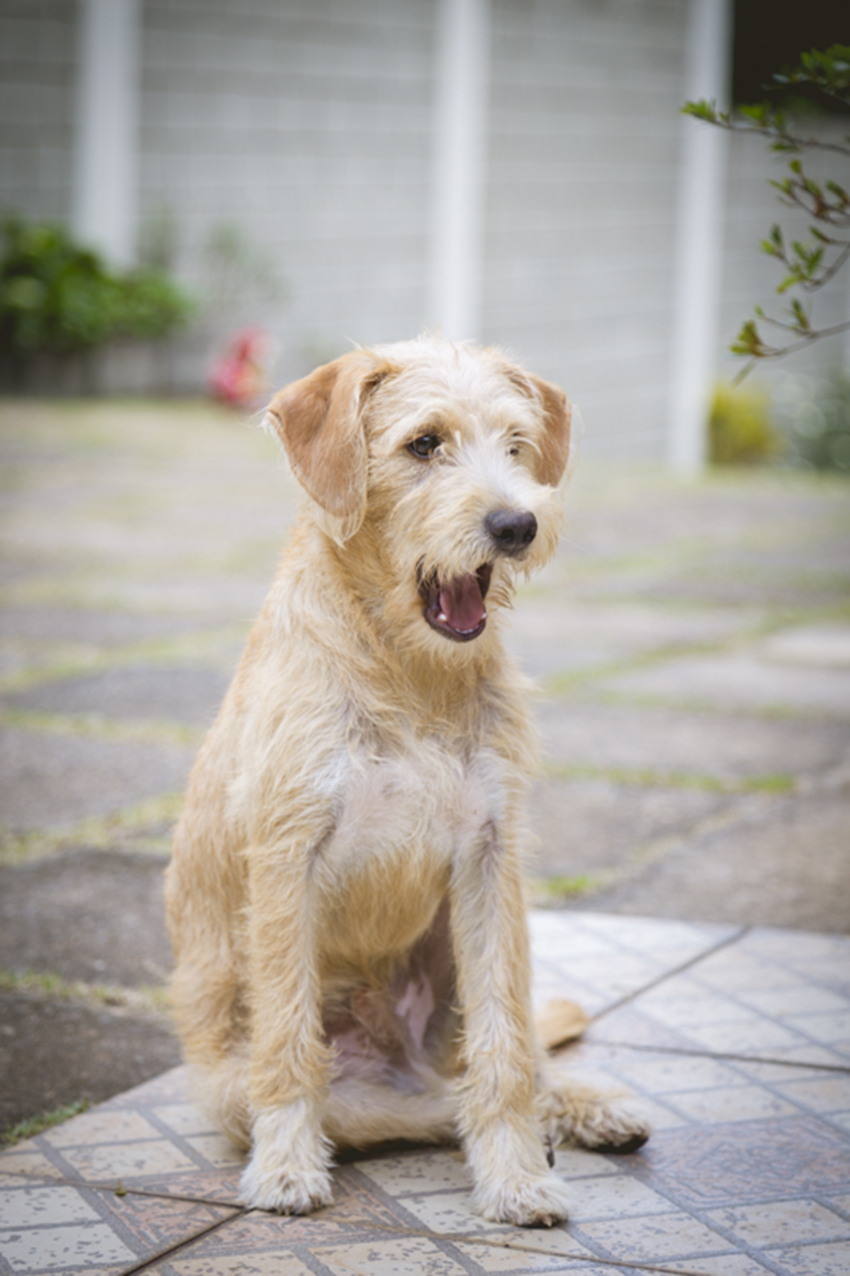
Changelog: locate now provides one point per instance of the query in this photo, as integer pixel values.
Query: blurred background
(514, 171)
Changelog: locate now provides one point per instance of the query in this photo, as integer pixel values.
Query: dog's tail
(560, 1021)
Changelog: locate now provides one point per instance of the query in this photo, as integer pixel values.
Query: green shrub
(817, 422)
(741, 428)
(56, 296)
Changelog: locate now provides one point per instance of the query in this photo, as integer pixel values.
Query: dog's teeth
(443, 617)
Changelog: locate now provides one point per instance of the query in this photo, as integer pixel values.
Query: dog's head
(434, 469)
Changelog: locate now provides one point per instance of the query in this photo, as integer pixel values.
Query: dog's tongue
(461, 603)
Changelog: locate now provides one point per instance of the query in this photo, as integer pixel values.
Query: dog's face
(434, 468)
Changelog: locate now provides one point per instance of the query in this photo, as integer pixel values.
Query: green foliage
(817, 423)
(57, 296)
(44, 1121)
(741, 429)
(808, 266)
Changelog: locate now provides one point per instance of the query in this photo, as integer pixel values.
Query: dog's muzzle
(455, 607)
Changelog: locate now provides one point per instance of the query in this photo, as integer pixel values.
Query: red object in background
(240, 375)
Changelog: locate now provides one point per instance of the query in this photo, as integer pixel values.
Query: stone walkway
(692, 641)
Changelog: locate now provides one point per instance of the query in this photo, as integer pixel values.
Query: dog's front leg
(289, 1166)
(500, 1132)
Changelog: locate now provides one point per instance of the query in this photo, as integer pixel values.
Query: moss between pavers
(144, 826)
(44, 1121)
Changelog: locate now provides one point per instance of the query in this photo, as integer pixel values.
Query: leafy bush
(815, 416)
(741, 428)
(56, 296)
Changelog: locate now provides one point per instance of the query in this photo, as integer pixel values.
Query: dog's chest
(424, 803)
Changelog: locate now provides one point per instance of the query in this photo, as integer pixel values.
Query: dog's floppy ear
(319, 420)
(554, 451)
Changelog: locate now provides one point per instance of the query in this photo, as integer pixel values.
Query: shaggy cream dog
(345, 898)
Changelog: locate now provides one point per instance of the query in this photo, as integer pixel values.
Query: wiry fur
(345, 896)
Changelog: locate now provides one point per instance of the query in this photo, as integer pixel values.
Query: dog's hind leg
(360, 1113)
(575, 1110)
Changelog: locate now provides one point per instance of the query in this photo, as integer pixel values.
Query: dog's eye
(424, 445)
(513, 447)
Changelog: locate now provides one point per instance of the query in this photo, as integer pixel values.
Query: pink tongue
(461, 603)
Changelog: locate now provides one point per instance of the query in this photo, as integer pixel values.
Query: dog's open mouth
(455, 607)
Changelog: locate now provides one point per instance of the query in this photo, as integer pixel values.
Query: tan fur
(345, 896)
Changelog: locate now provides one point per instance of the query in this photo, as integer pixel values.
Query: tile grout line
(695, 1053)
(118, 1189)
(670, 974)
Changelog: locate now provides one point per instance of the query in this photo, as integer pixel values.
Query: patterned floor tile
(55, 1227)
(748, 1169)
(780, 1222)
(597, 960)
(391, 1256)
(660, 1238)
(731, 1164)
(814, 1260)
(762, 996)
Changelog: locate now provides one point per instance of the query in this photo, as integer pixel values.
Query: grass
(34, 1125)
(646, 777)
(100, 726)
(145, 826)
(149, 998)
(559, 888)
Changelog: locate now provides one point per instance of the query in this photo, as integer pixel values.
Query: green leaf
(800, 315)
(701, 110)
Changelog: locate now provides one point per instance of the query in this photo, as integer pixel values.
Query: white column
(460, 163)
(699, 236)
(105, 200)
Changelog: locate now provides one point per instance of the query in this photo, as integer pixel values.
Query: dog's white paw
(531, 1201)
(284, 1189)
(289, 1168)
(581, 1113)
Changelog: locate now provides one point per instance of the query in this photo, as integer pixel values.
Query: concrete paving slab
(48, 779)
(551, 635)
(594, 827)
(740, 680)
(721, 745)
(190, 694)
(813, 645)
(89, 915)
(56, 1051)
(788, 866)
(63, 625)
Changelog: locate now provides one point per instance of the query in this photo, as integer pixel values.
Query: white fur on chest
(426, 803)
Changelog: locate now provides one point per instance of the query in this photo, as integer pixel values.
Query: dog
(345, 897)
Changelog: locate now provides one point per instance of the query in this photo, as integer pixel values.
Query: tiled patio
(739, 1040)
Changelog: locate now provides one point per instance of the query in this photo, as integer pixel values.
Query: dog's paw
(580, 1113)
(289, 1168)
(284, 1189)
(532, 1201)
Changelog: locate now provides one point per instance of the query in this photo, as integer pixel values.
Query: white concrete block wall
(309, 123)
(583, 164)
(37, 55)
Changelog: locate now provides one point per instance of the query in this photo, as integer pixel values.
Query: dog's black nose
(512, 530)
